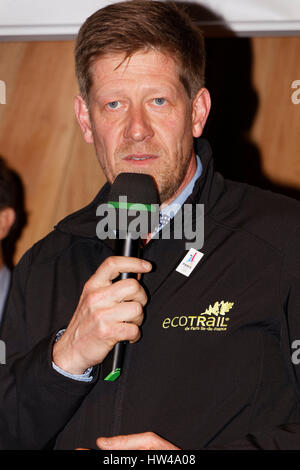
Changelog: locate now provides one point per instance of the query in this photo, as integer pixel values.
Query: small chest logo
(189, 262)
(213, 319)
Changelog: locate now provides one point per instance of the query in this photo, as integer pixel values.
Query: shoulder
(46, 249)
(76, 226)
(266, 215)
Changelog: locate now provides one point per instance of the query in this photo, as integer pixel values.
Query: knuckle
(133, 333)
(150, 440)
(144, 299)
(137, 309)
(92, 299)
(110, 262)
(123, 440)
(132, 284)
(86, 287)
(139, 320)
(104, 329)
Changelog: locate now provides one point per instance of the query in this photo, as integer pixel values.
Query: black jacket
(197, 383)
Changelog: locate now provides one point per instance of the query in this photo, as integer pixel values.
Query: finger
(127, 332)
(130, 312)
(120, 291)
(141, 441)
(113, 266)
(129, 442)
(128, 290)
(113, 334)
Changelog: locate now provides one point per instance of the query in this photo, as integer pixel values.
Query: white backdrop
(36, 19)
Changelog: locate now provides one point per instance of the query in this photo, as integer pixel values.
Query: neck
(188, 177)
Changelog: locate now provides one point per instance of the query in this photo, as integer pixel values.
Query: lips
(140, 157)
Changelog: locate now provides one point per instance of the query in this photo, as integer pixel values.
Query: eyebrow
(159, 91)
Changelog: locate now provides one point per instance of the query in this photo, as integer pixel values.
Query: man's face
(141, 119)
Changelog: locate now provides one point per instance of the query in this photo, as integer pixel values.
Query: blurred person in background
(12, 220)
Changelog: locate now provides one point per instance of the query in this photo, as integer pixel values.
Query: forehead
(142, 69)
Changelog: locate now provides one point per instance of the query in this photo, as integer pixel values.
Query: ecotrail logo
(213, 319)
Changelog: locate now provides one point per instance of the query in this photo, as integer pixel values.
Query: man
(11, 210)
(7, 216)
(209, 356)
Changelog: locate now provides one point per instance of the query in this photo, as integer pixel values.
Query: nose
(138, 127)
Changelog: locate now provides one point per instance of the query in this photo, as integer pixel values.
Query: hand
(141, 441)
(107, 313)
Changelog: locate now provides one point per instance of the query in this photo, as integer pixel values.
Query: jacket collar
(207, 190)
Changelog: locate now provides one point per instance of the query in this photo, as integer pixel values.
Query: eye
(113, 104)
(159, 101)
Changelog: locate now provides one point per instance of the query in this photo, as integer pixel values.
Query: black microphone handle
(111, 367)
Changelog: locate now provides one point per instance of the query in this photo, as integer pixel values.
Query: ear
(200, 111)
(7, 219)
(83, 118)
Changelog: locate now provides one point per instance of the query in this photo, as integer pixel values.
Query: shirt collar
(171, 209)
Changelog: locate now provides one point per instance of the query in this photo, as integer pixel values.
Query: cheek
(169, 132)
(105, 136)
(178, 132)
(179, 124)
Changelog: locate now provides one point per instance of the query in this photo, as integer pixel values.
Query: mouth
(140, 158)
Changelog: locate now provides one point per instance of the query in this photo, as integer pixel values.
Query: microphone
(131, 193)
